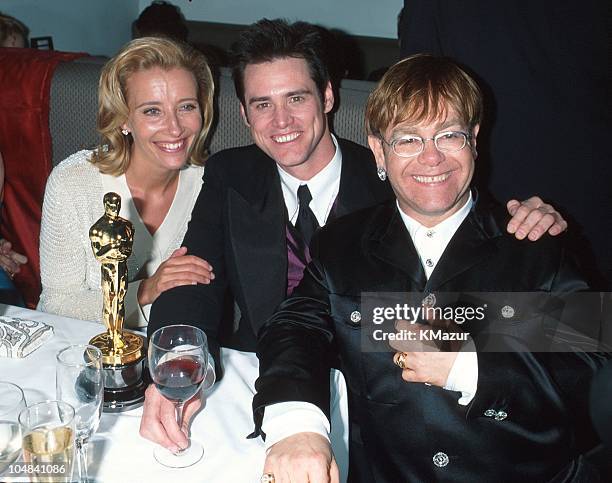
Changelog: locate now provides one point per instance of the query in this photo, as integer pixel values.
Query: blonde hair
(113, 154)
(419, 88)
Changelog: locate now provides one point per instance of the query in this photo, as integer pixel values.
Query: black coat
(398, 427)
(238, 226)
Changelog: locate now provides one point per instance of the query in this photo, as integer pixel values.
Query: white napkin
(20, 337)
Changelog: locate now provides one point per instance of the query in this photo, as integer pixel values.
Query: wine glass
(12, 402)
(48, 440)
(178, 361)
(78, 381)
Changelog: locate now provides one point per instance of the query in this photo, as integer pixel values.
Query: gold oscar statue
(122, 352)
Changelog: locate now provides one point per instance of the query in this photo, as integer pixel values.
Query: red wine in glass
(178, 361)
(179, 379)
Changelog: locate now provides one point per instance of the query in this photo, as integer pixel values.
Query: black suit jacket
(398, 428)
(238, 226)
(601, 405)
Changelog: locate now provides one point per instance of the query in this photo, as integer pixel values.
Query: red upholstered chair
(25, 143)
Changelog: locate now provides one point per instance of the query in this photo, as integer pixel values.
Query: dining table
(117, 452)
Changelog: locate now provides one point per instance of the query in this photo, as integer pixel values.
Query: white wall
(98, 27)
(101, 27)
(375, 18)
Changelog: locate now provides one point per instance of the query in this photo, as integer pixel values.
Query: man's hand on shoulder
(301, 458)
(179, 269)
(158, 423)
(532, 218)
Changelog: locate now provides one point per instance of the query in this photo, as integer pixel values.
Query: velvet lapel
(257, 234)
(473, 242)
(393, 245)
(354, 192)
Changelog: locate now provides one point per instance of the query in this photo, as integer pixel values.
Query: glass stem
(81, 446)
(178, 408)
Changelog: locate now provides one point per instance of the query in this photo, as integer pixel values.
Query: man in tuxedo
(260, 204)
(463, 416)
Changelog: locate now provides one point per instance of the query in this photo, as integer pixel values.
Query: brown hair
(419, 88)
(269, 40)
(161, 19)
(9, 27)
(113, 154)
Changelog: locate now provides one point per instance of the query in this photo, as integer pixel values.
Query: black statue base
(124, 386)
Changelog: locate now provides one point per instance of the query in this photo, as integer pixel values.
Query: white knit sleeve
(64, 239)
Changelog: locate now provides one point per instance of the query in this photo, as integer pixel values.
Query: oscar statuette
(123, 353)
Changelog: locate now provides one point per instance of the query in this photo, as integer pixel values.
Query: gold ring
(400, 360)
(267, 478)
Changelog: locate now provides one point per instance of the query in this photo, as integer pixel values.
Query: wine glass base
(188, 457)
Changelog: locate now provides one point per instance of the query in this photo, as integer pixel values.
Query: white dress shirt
(323, 186)
(286, 419)
(430, 244)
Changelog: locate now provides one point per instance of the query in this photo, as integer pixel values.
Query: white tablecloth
(118, 453)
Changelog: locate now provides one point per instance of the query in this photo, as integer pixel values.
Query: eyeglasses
(411, 145)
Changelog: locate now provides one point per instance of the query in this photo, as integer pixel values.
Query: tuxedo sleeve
(201, 305)
(295, 349)
(531, 386)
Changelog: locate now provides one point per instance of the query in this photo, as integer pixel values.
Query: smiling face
(164, 118)
(433, 185)
(287, 117)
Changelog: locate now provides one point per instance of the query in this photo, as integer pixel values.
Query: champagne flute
(48, 440)
(78, 381)
(178, 361)
(12, 402)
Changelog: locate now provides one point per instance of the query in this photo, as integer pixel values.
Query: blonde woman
(154, 112)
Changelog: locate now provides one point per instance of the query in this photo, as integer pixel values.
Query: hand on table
(532, 218)
(158, 423)
(10, 260)
(302, 458)
(179, 269)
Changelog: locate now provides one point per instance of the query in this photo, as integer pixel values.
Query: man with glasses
(261, 204)
(463, 414)
(411, 145)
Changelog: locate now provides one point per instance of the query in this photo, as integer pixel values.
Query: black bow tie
(306, 222)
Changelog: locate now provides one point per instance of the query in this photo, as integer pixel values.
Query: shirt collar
(430, 242)
(445, 229)
(323, 186)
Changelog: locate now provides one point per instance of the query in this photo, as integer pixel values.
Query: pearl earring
(125, 132)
